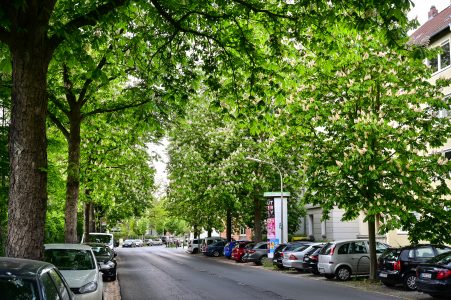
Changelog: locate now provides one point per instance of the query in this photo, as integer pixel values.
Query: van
(193, 246)
(99, 237)
(344, 258)
(210, 240)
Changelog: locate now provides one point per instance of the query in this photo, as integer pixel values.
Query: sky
(422, 8)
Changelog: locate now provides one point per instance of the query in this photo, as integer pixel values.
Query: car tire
(343, 273)
(410, 281)
(242, 259)
(329, 276)
(216, 254)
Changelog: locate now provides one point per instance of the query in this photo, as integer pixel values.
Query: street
(168, 273)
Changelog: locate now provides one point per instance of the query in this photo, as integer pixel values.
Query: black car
(398, 265)
(215, 249)
(278, 256)
(310, 262)
(31, 279)
(434, 277)
(106, 258)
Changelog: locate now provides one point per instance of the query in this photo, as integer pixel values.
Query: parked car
(239, 250)
(106, 259)
(79, 267)
(398, 265)
(295, 258)
(257, 253)
(310, 261)
(278, 256)
(216, 249)
(138, 242)
(434, 276)
(128, 244)
(99, 237)
(193, 246)
(32, 279)
(156, 242)
(210, 240)
(344, 258)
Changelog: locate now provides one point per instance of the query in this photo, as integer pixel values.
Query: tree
(34, 31)
(373, 123)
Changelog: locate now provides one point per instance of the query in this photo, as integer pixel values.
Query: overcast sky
(422, 8)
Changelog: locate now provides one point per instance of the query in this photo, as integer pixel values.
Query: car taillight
(332, 250)
(397, 265)
(443, 274)
(313, 257)
(293, 257)
(281, 254)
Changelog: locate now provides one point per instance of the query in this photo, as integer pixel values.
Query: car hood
(78, 278)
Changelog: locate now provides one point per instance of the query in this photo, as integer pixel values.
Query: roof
(22, 267)
(432, 27)
(67, 246)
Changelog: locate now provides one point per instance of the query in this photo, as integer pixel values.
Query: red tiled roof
(433, 26)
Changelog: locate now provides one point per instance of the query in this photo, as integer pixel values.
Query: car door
(359, 257)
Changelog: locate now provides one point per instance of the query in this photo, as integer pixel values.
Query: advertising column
(277, 220)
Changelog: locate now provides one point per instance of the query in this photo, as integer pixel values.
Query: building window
(242, 230)
(442, 60)
(447, 154)
(323, 229)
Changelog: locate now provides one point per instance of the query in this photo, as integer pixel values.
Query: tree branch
(113, 109)
(58, 104)
(58, 124)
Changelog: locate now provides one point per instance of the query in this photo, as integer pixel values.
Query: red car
(240, 249)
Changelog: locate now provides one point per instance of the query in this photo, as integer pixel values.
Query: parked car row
(129, 243)
(426, 268)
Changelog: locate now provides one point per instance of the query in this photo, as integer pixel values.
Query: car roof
(348, 241)
(67, 246)
(96, 245)
(416, 246)
(25, 268)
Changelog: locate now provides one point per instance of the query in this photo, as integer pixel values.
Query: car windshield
(70, 259)
(442, 259)
(13, 287)
(292, 247)
(101, 251)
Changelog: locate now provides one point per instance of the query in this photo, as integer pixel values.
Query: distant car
(210, 240)
(342, 259)
(99, 237)
(128, 244)
(278, 256)
(434, 277)
(398, 265)
(310, 262)
(156, 242)
(106, 259)
(31, 279)
(215, 249)
(193, 246)
(79, 267)
(239, 250)
(257, 253)
(138, 242)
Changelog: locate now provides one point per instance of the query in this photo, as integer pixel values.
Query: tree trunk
(229, 225)
(257, 219)
(92, 223)
(87, 221)
(28, 145)
(73, 177)
(372, 240)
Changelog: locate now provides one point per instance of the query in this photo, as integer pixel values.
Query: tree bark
(372, 240)
(257, 219)
(229, 225)
(87, 221)
(28, 145)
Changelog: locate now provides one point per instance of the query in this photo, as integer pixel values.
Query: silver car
(341, 259)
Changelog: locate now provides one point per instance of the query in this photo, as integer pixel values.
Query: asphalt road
(166, 273)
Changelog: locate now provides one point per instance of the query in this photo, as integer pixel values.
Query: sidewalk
(111, 290)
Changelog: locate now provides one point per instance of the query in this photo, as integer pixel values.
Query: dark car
(278, 255)
(398, 265)
(434, 277)
(215, 249)
(128, 244)
(239, 250)
(310, 262)
(257, 253)
(31, 279)
(106, 258)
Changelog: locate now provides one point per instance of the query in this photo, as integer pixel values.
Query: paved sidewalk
(111, 290)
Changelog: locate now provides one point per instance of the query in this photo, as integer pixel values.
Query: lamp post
(281, 188)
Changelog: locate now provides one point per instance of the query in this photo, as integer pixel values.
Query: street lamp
(281, 188)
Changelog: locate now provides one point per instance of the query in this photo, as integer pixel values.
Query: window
(12, 287)
(447, 154)
(343, 249)
(310, 225)
(424, 252)
(51, 291)
(380, 247)
(242, 230)
(59, 284)
(358, 248)
(442, 60)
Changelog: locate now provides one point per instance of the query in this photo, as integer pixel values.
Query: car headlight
(88, 288)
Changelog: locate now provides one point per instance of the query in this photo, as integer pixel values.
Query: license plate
(383, 275)
(426, 275)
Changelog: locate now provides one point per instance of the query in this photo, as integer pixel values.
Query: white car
(79, 267)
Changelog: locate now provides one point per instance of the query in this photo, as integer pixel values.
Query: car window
(380, 248)
(343, 249)
(17, 288)
(301, 248)
(358, 248)
(70, 259)
(442, 259)
(391, 254)
(327, 248)
(263, 246)
(101, 251)
(50, 290)
(424, 252)
(442, 249)
(62, 288)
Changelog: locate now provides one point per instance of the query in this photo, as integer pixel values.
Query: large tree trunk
(257, 219)
(229, 225)
(372, 240)
(87, 221)
(73, 177)
(28, 145)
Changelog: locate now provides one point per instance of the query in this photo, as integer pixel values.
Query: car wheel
(410, 281)
(329, 276)
(343, 273)
(216, 253)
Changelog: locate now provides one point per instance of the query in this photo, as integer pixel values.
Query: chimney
(432, 12)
